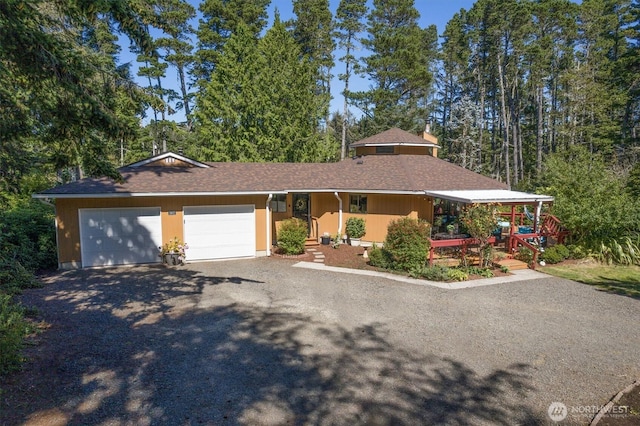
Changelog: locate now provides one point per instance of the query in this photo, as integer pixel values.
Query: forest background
(541, 94)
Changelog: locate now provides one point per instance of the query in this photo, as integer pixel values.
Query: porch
(524, 225)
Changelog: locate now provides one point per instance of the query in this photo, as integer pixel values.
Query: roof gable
(168, 159)
(395, 136)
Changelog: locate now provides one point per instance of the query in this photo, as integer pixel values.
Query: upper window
(384, 149)
(279, 203)
(357, 203)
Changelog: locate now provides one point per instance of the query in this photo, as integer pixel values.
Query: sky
(437, 12)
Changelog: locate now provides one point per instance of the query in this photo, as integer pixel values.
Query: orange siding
(172, 225)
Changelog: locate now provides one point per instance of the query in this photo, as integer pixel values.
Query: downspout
(537, 218)
(268, 219)
(339, 215)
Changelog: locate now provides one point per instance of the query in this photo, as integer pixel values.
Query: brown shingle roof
(384, 173)
(392, 136)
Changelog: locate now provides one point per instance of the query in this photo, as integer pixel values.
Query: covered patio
(525, 223)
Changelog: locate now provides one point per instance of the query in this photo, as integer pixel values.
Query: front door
(301, 209)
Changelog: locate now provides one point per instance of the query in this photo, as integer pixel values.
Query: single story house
(232, 210)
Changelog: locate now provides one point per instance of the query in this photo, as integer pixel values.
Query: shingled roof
(384, 174)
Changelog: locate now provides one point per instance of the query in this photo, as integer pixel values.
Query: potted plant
(173, 252)
(355, 230)
(450, 228)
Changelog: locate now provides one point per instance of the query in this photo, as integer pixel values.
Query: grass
(617, 279)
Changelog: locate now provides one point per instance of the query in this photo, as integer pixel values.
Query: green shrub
(524, 255)
(431, 273)
(380, 258)
(27, 236)
(555, 254)
(626, 252)
(577, 251)
(475, 270)
(457, 275)
(355, 227)
(13, 329)
(292, 236)
(408, 243)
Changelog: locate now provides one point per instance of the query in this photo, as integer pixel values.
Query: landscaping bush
(13, 329)
(555, 254)
(431, 273)
(380, 258)
(457, 275)
(623, 252)
(27, 236)
(292, 236)
(524, 255)
(407, 243)
(355, 227)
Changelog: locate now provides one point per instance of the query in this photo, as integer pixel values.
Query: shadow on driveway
(151, 345)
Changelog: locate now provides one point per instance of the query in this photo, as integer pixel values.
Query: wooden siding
(172, 224)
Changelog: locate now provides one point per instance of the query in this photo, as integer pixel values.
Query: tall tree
(349, 25)
(220, 19)
(313, 30)
(175, 16)
(260, 104)
(399, 66)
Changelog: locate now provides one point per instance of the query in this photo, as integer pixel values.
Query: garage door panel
(120, 236)
(218, 232)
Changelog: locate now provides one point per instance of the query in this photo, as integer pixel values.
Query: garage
(220, 232)
(120, 236)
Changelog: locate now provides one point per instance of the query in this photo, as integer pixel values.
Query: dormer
(397, 141)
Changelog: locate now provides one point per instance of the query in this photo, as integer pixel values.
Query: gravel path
(261, 342)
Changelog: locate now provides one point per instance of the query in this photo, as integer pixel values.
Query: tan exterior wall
(172, 225)
(381, 210)
(169, 162)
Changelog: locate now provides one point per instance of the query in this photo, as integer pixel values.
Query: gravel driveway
(260, 342)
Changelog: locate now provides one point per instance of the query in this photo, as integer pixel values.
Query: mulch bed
(346, 256)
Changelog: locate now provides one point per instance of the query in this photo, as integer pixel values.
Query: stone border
(604, 410)
(517, 275)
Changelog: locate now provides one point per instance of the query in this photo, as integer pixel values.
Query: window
(357, 203)
(384, 149)
(279, 203)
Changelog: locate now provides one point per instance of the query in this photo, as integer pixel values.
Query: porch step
(311, 242)
(513, 264)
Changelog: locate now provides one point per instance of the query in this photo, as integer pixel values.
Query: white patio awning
(503, 196)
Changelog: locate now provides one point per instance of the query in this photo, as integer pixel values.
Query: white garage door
(120, 236)
(219, 232)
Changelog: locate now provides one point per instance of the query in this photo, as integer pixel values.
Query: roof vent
(360, 161)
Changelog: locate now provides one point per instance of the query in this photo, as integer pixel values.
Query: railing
(462, 243)
(519, 239)
(552, 227)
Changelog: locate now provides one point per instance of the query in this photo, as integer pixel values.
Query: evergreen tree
(313, 30)
(220, 20)
(349, 25)
(260, 104)
(399, 66)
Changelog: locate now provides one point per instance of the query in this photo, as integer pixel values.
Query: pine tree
(349, 25)
(399, 67)
(220, 19)
(313, 30)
